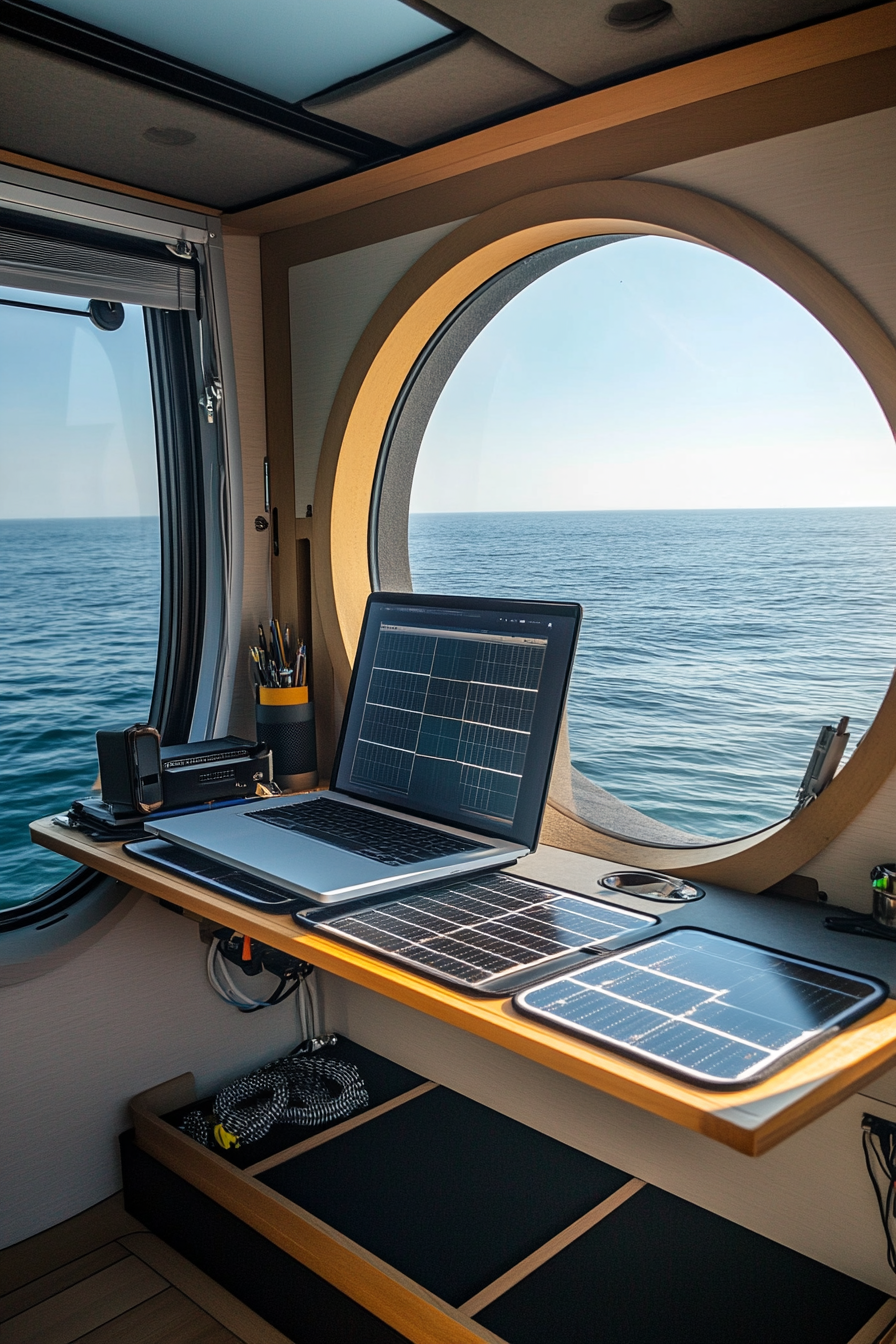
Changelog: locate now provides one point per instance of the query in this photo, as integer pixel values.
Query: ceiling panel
(467, 81)
(64, 112)
(572, 40)
(287, 48)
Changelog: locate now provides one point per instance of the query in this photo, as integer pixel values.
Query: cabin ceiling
(230, 103)
(65, 112)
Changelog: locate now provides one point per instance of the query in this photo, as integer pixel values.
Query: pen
(277, 642)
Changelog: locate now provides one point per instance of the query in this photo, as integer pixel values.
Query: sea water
(79, 611)
(715, 645)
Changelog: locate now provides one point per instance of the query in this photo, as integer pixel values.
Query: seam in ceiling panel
(469, 80)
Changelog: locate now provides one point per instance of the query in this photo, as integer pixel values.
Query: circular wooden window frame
(381, 363)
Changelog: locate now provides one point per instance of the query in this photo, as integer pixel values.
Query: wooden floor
(102, 1278)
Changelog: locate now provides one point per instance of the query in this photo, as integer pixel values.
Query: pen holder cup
(284, 719)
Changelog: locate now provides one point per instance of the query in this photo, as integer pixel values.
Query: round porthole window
(655, 429)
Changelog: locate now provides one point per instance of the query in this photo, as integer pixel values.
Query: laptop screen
(454, 709)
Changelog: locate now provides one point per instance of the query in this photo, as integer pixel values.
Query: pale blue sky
(77, 438)
(647, 374)
(654, 374)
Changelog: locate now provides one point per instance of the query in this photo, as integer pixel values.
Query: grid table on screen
(481, 928)
(713, 1008)
(450, 714)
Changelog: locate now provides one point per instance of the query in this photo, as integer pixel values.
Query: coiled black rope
(299, 1089)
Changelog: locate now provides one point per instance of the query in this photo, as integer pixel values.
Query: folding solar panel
(712, 1009)
(490, 933)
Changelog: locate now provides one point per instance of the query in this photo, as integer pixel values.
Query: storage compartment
(665, 1271)
(449, 1192)
(447, 1221)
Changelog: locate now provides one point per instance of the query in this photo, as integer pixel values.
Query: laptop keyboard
(372, 834)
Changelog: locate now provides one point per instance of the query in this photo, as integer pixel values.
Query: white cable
(232, 994)
(222, 969)
(211, 969)
(313, 1013)
(301, 1012)
(310, 1027)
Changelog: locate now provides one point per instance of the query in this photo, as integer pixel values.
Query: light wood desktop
(751, 1120)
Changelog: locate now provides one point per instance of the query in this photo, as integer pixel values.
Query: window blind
(57, 266)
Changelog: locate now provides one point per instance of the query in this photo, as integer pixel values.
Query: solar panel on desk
(717, 1010)
(481, 928)
(214, 874)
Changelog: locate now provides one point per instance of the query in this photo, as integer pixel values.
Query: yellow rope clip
(224, 1139)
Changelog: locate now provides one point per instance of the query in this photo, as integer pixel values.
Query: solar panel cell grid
(450, 717)
(480, 928)
(703, 1004)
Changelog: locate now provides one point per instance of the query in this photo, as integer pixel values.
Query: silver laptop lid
(454, 709)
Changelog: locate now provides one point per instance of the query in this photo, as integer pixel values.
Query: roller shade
(57, 266)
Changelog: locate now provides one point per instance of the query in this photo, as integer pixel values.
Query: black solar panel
(480, 929)
(716, 1010)
(215, 874)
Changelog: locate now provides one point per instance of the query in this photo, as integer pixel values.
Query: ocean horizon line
(721, 508)
(78, 518)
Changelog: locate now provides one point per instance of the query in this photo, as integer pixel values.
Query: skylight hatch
(289, 49)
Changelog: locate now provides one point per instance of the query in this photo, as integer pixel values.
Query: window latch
(211, 398)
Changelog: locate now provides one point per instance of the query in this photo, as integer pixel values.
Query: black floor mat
(662, 1271)
(447, 1191)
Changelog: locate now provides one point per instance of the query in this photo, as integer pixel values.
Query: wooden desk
(751, 1120)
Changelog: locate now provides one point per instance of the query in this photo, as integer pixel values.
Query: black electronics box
(206, 772)
(130, 768)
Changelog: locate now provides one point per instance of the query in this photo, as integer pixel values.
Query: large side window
(79, 557)
(120, 515)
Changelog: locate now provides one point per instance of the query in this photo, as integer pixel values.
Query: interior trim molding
(382, 362)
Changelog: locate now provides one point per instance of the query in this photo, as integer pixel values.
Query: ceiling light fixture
(170, 135)
(634, 15)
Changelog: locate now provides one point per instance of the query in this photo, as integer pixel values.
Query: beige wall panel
(243, 268)
(882, 1089)
(78, 1043)
(330, 303)
(843, 868)
(811, 1193)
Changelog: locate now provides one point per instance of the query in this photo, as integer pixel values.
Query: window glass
(286, 48)
(79, 561)
(659, 432)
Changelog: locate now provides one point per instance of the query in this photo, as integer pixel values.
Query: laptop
(444, 758)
